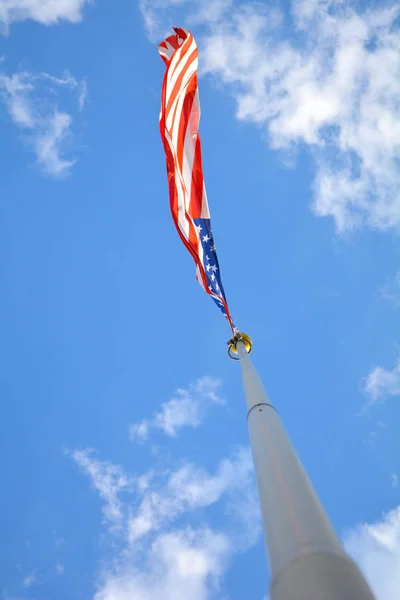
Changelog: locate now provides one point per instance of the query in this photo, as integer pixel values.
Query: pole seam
(261, 404)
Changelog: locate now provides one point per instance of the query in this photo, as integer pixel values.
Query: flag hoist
(306, 558)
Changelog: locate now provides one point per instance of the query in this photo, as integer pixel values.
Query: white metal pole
(306, 558)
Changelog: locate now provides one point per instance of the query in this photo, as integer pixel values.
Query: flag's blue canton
(210, 261)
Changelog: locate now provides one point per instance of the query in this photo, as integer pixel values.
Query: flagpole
(306, 558)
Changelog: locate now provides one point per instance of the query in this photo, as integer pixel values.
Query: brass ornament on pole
(233, 342)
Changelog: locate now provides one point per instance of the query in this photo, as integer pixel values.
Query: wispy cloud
(108, 479)
(189, 488)
(156, 14)
(376, 548)
(377, 431)
(30, 102)
(60, 569)
(152, 500)
(29, 580)
(83, 94)
(53, 137)
(15, 93)
(330, 85)
(42, 11)
(186, 563)
(395, 480)
(158, 555)
(381, 383)
(165, 558)
(391, 291)
(187, 408)
(67, 80)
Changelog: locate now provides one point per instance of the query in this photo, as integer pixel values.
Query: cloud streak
(29, 580)
(83, 94)
(187, 408)
(337, 95)
(381, 383)
(108, 479)
(391, 291)
(158, 555)
(43, 11)
(376, 548)
(171, 560)
(187, 489)
(186, 563)
(30, 102)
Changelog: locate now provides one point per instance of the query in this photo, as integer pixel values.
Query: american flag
(179, 123)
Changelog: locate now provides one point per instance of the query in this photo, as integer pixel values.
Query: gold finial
(233, 342)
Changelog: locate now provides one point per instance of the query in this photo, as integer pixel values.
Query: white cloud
(67, 80)
(338, 95)
(157, 16)
(380, 382)
(391, 291)
(15, 93)
(29, 580)
(331, 85)
(187, 408)
(377, 431)
(376, 548)
(29, 99)
(209, 12)
(160, 557)
(177, 413)
(48, 144)
(181, 564)
(47, 12)
(189, 488)
(83, 94)
(59, 542)
(109, 480)
(395, 480)
(153, 500)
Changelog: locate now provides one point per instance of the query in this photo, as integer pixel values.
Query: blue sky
(126, 467)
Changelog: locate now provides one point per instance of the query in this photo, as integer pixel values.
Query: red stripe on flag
(180, 139)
